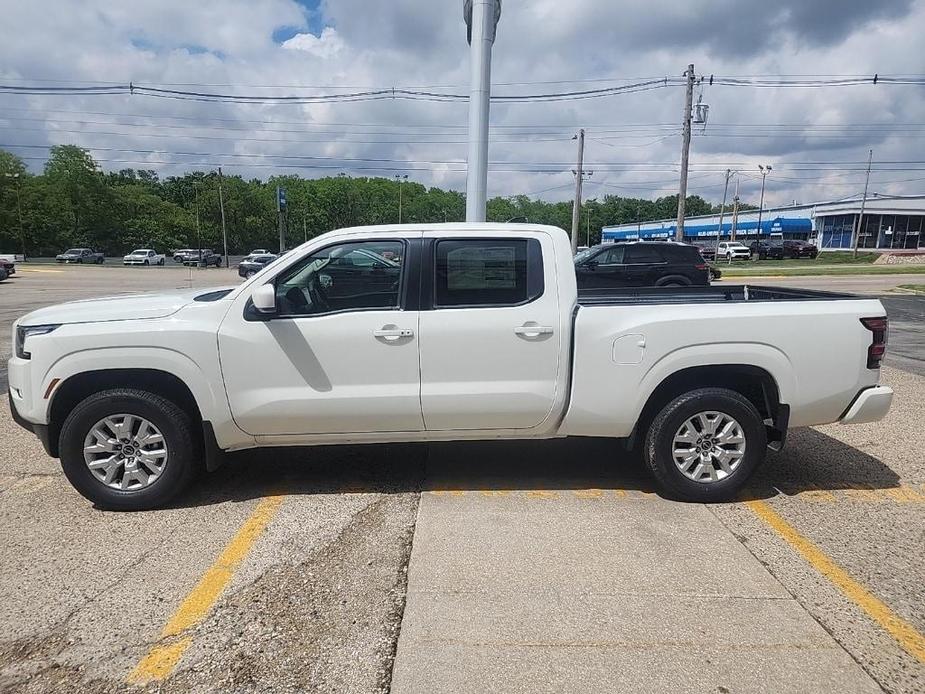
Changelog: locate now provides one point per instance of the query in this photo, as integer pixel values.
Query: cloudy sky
(816, 138)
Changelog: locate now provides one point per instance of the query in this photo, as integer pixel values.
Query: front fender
(210, 401)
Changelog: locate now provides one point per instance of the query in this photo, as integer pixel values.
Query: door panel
(491, 366)
(341, 358)
(323, 374)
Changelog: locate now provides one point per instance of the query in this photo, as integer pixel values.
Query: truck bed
(734, 293)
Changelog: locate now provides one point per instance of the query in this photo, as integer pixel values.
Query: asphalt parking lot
(543, 566)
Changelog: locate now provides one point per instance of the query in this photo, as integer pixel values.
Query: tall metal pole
(764, 175)
(221, 205)
(735, 212)
(198, 230)
(857, 235)
(482, 18)
(685, 150)
(279, 214)
(579, 176)
(722, 212)
(401, 178)
(304, 229)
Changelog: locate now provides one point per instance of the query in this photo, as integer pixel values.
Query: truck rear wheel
(704, 445)
(128, 450)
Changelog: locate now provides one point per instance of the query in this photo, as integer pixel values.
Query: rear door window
(487, 272)
(643, 255)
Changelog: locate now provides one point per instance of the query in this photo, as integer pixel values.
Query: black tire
(660, 442)
(147, 263)
(161, 261)
(183, 448)
(249, 273)
(673, 281)
(99, 261)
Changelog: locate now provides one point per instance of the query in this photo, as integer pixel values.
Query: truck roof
(455, 227)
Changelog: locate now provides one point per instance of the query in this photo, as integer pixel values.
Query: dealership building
(890, 222)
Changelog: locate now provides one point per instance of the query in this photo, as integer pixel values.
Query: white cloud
(326, 46)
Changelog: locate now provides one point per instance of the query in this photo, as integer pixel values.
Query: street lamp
(765, 170)
(22, 233)
(722, 210)
(401, 178)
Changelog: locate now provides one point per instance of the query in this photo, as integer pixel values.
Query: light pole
(401, 178)
(221, 204)
(765, 170)
(22, 232)
(722, 209)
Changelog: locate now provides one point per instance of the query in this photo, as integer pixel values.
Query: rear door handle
(392, 334)
(532, 330)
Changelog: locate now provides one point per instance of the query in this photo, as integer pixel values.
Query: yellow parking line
(161, 660)
(905, 634)
(35, 269)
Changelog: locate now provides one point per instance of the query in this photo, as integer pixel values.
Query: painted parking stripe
(163, 657)
(906, 635)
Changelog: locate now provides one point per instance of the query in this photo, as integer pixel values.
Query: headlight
(24, 331)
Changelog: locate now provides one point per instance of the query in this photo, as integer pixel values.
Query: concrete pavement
(597, 590)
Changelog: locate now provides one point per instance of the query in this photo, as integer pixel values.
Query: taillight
(880, 328)
(700, 266)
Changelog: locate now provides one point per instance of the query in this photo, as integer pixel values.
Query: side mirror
(264, 298)
(591, 264)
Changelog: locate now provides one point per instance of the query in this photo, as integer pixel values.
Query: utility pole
(22, 231)
(735, 212)
(685, 150)
(481, 18)
(304, 229)
(221, 205)
(722, 209)
(401, 178)
(857, 235)
(198, 229)
(280, 208)
(765, 170)
(579, 176)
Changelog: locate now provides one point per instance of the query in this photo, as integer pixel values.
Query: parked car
(767, 250)
(3, 274)
(733, 250)
(8, 266)
(203, 258)
(478, 333)
(707, 249)
(80, 255)
(179, 256)
(800, 249)
(260, 251)
(641, 264)
(253, 264)
(144, 256)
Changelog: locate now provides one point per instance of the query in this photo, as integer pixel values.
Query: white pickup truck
(435, 333)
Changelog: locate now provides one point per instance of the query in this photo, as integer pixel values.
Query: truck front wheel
(128, 450)
(704, 445)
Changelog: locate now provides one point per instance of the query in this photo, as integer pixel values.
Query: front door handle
(393, 334)
(532, 330)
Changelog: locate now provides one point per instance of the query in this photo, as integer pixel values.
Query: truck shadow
(811, 462)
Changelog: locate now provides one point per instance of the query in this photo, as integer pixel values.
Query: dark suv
(773, 250)
(800, 249)
(641, 264)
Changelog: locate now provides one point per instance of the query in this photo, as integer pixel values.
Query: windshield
(143, 251)
(585, 254)
(73, 251)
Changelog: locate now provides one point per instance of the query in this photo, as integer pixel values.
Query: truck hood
(117, 308)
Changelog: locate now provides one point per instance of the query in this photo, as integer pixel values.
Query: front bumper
(40, 430)
(870, 405)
